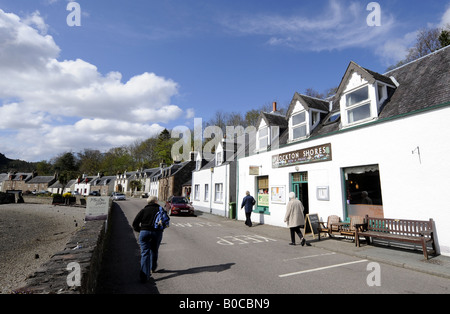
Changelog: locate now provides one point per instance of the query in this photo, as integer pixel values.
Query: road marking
(309, 256)
(321, 268)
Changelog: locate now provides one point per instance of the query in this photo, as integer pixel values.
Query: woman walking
(295, 219)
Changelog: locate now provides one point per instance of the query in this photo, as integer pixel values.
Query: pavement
(395, 254)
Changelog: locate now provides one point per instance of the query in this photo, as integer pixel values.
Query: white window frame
(218, 192)
(263, 138)
(303, 124)
(206, 192)
(350, 108)
(197, 192)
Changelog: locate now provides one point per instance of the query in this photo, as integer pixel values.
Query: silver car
(118, 196)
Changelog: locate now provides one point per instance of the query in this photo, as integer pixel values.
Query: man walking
(248, 203)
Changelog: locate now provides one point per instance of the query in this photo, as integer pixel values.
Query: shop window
(262, 202)
(363, 191)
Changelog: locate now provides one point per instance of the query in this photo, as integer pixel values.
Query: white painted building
(214, 183)
(385, 134)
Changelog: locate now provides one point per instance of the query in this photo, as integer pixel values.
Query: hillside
(7, 164)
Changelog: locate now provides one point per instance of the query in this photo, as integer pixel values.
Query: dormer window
(299, 125)
(263, 137)
(358, 105)
(219, 158)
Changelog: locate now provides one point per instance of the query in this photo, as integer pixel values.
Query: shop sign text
(303, 156)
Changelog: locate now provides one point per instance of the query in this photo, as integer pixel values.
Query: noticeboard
(97, 208)
(312, 220)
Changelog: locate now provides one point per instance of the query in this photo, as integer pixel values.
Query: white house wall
(220, 175)
(412, 188)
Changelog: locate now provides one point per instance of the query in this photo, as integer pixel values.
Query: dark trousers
(296, 230)
(248, 221)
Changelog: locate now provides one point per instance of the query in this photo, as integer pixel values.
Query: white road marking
(321, 268)
(309, 256)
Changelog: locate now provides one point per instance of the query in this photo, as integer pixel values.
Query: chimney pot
(274, 106)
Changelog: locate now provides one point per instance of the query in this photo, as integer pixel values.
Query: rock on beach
(29, 235)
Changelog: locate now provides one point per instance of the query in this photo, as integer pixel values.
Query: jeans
(149, 242)
(248, 220)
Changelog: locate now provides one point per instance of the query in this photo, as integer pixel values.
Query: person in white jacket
(295, 219)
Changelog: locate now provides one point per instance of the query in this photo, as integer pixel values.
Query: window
(197, 192)
(358, 105)
(219, 158)
(263, 137)
(206, 192)
(218, 197)
(299, 125)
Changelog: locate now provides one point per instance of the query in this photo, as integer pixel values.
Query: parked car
(116, 196)
(177, 205)
(94, 193)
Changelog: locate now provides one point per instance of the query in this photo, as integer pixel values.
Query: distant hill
(7, 164)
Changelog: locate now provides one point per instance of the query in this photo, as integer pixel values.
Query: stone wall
(86, 249)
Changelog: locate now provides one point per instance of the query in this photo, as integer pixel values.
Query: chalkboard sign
(312, 220)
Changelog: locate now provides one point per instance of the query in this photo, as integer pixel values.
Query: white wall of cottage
(219, 175)
(411, 188)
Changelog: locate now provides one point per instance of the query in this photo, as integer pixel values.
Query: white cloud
(38, 92)
(445, 20)
(339, 26)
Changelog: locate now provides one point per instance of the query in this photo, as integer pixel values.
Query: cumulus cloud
(48, 105)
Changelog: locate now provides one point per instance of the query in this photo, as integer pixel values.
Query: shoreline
(30, 234)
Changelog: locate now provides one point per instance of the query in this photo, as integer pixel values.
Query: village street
(209, 254)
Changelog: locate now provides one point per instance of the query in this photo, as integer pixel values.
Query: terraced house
(379, 147)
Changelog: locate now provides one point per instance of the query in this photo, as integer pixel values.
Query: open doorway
(299, 185)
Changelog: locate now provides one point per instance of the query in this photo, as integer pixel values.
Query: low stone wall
(86, 249)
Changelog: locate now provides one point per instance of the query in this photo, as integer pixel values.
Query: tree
(444, 38)
(90, 161)
(428, 41)
(164, 147)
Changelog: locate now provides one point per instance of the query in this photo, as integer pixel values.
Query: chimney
(274, 106)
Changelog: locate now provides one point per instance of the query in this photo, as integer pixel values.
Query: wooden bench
(350, 229)
(328, 228)
(412, 231)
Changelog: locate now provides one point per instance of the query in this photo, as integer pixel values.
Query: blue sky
(136, 67)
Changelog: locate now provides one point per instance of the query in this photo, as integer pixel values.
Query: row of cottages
(25, 182)
(378, 147)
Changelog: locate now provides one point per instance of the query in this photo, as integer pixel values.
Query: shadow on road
(195, 270)
(121, 261)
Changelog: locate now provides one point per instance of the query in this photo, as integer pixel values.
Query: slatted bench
(412, 231)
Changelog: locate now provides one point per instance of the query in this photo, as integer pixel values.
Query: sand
(29, 235)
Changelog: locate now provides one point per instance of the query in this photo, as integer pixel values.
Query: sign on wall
(97, 208)
(308, 155)
(278, 194)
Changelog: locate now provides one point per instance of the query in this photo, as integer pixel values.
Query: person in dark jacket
(149, 237)
(248, 203)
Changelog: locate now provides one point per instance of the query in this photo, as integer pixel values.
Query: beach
(29, 235)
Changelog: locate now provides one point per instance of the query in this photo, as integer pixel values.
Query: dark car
(177, 205)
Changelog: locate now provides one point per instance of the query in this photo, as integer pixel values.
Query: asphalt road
(208, 254)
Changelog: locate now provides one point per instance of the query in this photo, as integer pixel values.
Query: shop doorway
(299, 185)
